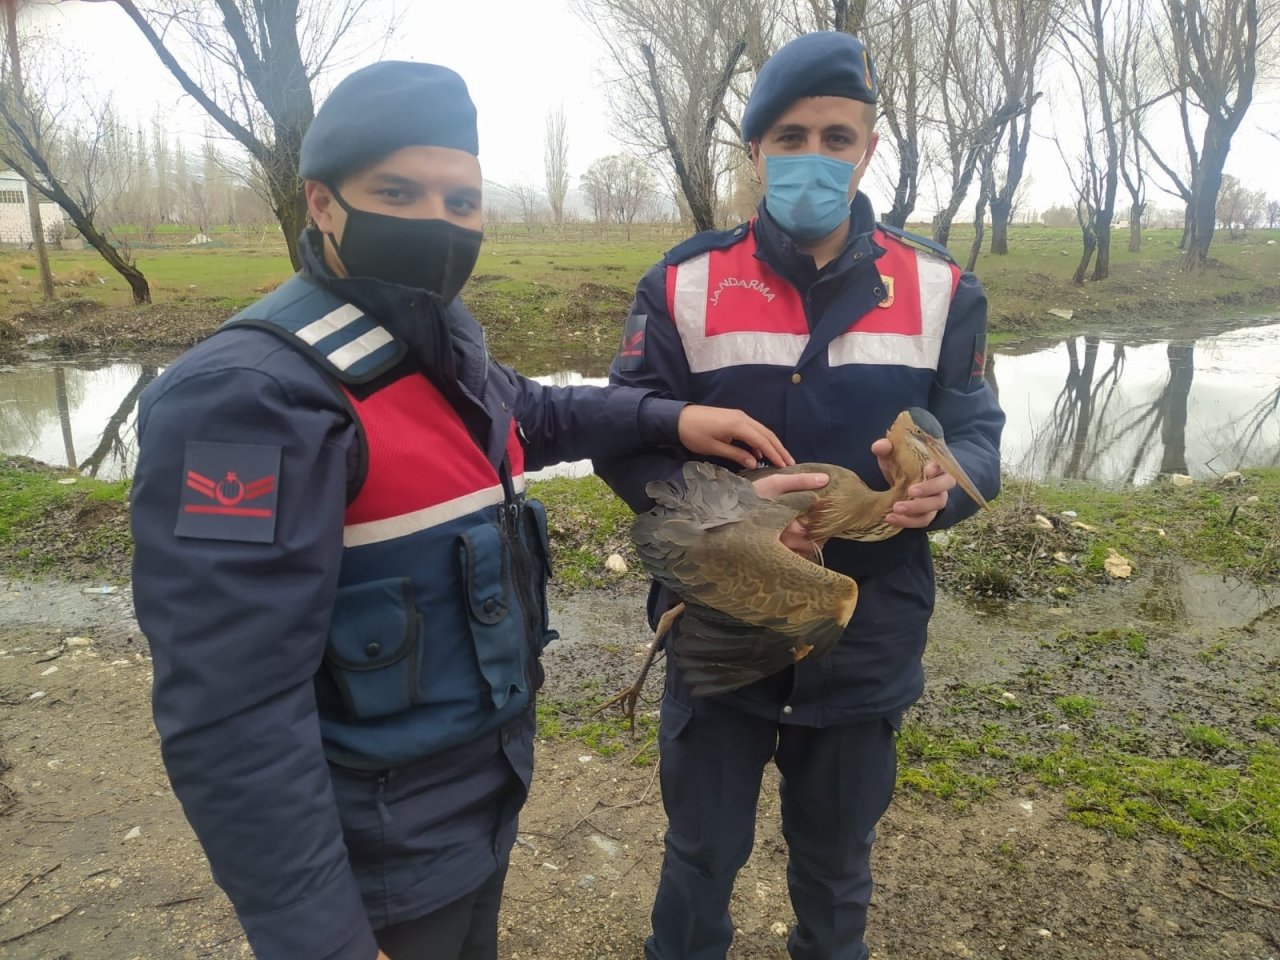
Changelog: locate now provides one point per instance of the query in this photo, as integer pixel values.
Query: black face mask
(432, 255)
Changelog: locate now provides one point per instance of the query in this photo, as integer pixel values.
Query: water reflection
(1087, 407)
(1092, 408)
(51, 411)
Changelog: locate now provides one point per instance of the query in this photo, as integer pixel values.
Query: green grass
(1232, 812)
(30, 495)
(933, 760)
(1002, 553)
(1077, 706)
(607, 735)
(587, 523)
(567, 292)
(69, 529)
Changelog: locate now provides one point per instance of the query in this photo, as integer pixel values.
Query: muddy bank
(985, 853)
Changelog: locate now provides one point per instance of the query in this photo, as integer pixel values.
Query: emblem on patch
(631, 353)
(229, 492)
(978, 371)
(888, 292)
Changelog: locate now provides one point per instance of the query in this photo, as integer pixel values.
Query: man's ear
(320, 204)
(757, 161)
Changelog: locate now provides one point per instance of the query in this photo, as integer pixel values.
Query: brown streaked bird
(749, 605)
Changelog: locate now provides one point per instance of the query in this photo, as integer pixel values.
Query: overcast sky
(521, 58)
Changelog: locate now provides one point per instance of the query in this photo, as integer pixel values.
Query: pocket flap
(485, 569)
(373, 624)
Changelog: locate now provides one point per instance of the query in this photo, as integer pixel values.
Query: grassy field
(572, 289)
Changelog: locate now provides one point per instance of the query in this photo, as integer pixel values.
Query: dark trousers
(466, 929)
(836, 784)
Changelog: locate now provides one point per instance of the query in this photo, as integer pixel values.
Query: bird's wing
(717, 653)
(715, 545)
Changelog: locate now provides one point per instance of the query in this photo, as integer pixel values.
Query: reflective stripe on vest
(732, 309)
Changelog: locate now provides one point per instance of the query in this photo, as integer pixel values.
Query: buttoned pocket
(373, 648)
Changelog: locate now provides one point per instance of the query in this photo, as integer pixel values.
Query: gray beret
(822, 64)
(381, 108)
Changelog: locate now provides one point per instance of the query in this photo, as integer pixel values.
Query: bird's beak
(940, 452)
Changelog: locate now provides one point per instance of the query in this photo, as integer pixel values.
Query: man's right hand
(381, 956)
(795, 537)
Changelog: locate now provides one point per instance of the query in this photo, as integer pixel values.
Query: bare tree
(619, 188)
(973, 112)
(1215, 47)
(556, 163)
(1239, 209)
(904, 98)
(1097, 176)
(1273, 214)
(33, 201)
(673, 62)
(252, 65)
(530, 205)
(1014, 32)
(62, 155)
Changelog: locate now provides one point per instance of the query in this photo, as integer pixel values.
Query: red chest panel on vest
(423, 466)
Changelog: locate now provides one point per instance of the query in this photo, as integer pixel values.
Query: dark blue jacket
(825, 412)
(238, 624)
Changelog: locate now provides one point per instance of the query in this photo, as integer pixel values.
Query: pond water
(1086, 407)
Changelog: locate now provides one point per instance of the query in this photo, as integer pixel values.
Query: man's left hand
(924, 499)
(711, 431)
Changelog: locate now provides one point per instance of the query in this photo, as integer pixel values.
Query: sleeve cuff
(660, 420)
(310, 929)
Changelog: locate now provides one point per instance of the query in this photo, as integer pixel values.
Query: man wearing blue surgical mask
(824, 325)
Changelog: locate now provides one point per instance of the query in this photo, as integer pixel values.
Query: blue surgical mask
(807, 194)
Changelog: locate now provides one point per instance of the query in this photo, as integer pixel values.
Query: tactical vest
(440, 614)
(732, 309)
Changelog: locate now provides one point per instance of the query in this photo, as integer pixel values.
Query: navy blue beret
(381, 108)
(822, 64)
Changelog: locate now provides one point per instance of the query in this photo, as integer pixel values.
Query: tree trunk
(37, 242)
(132, 275)
(1102, 231)
(1135, 225)
(1090, 243)
(1173, 425)
(1202, 212)
(1000, 210)
(904, 192)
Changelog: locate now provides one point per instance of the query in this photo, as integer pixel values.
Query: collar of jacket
(411, 316)
(776, 247)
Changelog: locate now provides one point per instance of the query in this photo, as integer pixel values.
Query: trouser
(836, 784)
(466, 929)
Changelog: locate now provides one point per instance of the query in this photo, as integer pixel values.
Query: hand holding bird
(739, 556)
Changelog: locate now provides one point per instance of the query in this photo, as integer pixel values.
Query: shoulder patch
(631, 354)
(229, 492)
(915, 240)
(700, 243)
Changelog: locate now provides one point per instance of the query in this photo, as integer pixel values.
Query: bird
(750, 606)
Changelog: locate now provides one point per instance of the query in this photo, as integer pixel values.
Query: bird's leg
(630, 697)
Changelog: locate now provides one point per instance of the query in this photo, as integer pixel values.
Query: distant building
(15, 222)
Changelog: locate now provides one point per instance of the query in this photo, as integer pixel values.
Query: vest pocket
(541, 549)
(372, 654)
(495, 617)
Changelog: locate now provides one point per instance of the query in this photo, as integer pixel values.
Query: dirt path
(86, 810)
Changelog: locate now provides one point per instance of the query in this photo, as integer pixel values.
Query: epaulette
(918, 241)
(702, 242)
(335, 334)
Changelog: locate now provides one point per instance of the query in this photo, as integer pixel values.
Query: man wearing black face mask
(336, 567)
